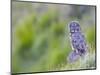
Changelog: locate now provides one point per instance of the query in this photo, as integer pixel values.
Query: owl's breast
(77, 40)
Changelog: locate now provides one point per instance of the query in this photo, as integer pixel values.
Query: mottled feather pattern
(77, 41)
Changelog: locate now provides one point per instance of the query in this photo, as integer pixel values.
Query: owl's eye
(77, 29)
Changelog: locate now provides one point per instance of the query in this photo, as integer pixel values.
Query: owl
(78, 43)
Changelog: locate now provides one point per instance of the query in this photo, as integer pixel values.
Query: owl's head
(74, 27)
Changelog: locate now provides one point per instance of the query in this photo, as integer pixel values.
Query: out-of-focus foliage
(41, 40)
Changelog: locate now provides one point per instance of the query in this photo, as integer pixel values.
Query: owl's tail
(73, 56)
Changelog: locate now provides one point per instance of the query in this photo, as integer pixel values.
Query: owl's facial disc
(74, 27)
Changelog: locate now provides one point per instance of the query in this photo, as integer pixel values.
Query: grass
(42, 44)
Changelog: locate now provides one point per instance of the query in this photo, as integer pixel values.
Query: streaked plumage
(77, 41)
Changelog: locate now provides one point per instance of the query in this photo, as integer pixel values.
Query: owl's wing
(82, 48)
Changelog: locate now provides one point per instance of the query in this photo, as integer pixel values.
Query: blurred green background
(40, 36)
